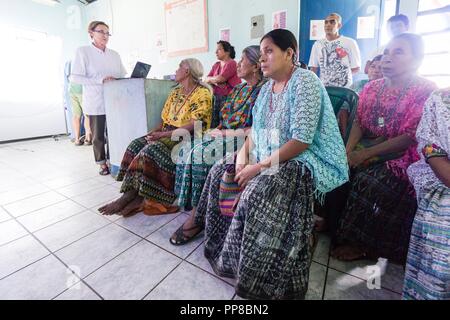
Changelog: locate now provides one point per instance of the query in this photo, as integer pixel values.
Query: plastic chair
(343, 96)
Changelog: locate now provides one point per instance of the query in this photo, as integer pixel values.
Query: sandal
(181, 239)
(88, 143)
(78, 143)
(104, 171)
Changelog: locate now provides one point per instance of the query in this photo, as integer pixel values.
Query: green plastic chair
(343, 96)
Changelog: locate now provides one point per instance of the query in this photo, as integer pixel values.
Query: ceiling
(87, 1)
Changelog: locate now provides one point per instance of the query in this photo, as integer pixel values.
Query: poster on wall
(366, 27)
(279, 19)
(316, 30)
(225, 34)
(186, 27)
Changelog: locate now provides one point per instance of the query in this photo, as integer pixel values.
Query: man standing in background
(337, 57)
(396, 25)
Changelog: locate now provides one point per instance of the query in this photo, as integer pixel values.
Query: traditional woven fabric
(434, 128)
(237, 109)
(229, 191)
(191, 173)
(235, 114)
(148, 167)
(265, 245)
(180, 109)
(132, 151)
(397, 119)
(152, 172)
(427, 275)
(378, 214)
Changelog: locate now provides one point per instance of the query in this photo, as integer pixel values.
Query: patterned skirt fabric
(379, 213)
(191, 176)
(427, 275)
(132, 151)
(218, 104)
(265, 245)
(149, 169)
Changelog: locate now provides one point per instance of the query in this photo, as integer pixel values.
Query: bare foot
(117, 205)
(348, 253)
(132, 207)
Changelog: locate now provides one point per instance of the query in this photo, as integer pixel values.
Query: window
(433, 23)
(390, 7)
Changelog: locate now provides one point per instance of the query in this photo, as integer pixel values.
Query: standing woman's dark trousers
(99, 138)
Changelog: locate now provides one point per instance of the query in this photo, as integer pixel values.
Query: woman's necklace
(176, 109)
(381, 121)
(284, 87)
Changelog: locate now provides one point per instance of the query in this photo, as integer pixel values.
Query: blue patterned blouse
(302, 111)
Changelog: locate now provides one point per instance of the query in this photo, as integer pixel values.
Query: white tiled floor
(55, 245)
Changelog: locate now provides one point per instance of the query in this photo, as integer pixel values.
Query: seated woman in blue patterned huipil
(294, 154)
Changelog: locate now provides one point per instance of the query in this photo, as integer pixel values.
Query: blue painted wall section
(350, 10)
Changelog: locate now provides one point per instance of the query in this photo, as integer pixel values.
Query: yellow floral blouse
(179, 109)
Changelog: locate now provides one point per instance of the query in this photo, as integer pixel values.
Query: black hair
(401, 18)
(415, 42)
(283, 39)
(377, 58)
(227, 47)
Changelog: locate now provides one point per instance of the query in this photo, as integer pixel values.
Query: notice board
(186, 27)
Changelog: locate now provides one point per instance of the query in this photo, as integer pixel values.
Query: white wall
(409, 8)
(31, 97)
(135, 24)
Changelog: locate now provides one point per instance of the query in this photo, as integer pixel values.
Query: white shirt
(336, 59)
(90, 67)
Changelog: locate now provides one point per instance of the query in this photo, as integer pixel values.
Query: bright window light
(433, 42)
(434, 26)
(433, 22)
(425, 5)
(390, 8)
(30, 59)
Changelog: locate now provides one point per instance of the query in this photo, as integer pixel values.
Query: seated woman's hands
(355, 158)
(245, 173)
(155, 135)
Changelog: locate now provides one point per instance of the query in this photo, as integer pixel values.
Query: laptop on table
(140, 71)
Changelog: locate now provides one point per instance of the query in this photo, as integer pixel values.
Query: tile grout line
(51, 254)
(142, 238)
(113, 258)
(28, 197)
(50, 225)
(208, 272)
(25, 214)
(167, 275)
(69, 185)
(34, 236)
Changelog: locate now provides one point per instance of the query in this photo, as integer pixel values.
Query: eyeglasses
(103, 33)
